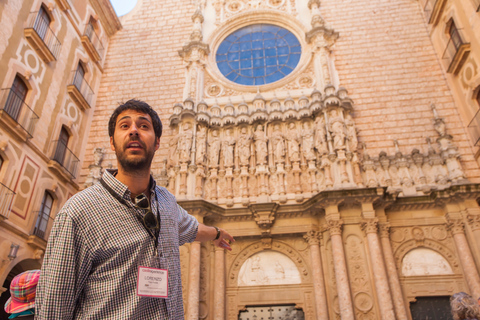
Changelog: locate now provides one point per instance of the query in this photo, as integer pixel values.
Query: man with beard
(113, 252)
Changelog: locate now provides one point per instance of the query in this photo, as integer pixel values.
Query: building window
(79, 77)
(455, 36)
(258, 54)
(16, 98)
(43, 216)
(61, 147)
(478, 96)
(42, 23)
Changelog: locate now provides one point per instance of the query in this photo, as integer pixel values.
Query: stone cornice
(107, 15)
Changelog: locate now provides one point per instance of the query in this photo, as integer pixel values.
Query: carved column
(456, 227)
(394, 281)
(474, 222)
(340, 266)
(193, 302)
(313, 238)
(194, 282)
(379, 274)
(219, 293)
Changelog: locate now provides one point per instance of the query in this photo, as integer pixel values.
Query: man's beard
(136, 164)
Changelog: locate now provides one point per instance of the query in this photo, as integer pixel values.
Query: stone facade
(339, 180)
(43, 133)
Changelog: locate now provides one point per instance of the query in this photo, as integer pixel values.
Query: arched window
(43, 215)
(454, 35)
(16, 98)
(61, 147)
(42, 23)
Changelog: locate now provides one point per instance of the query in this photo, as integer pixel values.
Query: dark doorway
(431, 308)
(287, 312)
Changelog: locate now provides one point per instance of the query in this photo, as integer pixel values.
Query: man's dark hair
(139, 106)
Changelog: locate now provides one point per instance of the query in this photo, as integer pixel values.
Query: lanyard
(140, 218)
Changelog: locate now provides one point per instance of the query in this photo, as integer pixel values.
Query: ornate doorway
(287, 312)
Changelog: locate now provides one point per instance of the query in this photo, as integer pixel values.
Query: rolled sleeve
(187, 227)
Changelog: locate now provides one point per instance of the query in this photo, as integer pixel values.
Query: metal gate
(287, 312)
(431, 308)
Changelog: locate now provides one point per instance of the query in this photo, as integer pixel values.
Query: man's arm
(207, 233)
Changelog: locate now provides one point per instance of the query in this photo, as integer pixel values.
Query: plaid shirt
(95, 247)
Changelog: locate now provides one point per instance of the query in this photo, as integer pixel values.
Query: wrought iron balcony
(43, 226)
(455, 54)
(41, 37)
(61, 156)
(6, 198)
(16, 115)
(80, 91)
(92, 43)
(474, 128)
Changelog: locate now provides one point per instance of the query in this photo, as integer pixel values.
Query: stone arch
(439, 248)
(424, 262)
(257, 247)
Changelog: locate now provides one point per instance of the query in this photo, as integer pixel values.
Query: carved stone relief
(424, 262)
(268, 268)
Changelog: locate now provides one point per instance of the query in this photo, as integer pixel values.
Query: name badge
(152, 282)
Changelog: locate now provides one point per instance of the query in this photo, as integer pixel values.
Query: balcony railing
(18, 110)
(43, 226)
(455, 54)
(95, 41)
(84, 94)
(6, 198)
(41, 26)
(64, 157)
(474, 128)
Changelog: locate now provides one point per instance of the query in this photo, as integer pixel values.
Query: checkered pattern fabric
(95, 248)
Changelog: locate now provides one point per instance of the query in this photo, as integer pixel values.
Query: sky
(123, 7)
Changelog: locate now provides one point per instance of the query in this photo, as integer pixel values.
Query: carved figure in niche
(228, 145)
(244, 146)
(172, 159)
(257, 269)
(98, 155)
(201, 155)
(280, 272)
(307, 142)
(293, 143)
(185, 143)
(351, 133)
(337, 128)
(260, 145)
(439, 126)
(320, 136)
(214, 90)
(213, 149)
(278, 143)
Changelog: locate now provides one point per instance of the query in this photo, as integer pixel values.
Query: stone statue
(337, 128)
(260, 145)
(228, 145)
(320, 136)
(278, 143)
(185, 143)
(351, 133)
(98, 154)
(293, 143)
(201, 155)
(213, 149)
(308, 142)
(172, 159)
(244, 145)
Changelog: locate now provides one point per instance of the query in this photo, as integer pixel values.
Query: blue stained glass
(258, 54)
(270, 43)
(234, 47)
(283, 50)
(245, 55)
(259, 63)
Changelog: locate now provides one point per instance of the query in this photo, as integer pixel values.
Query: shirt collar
(119, 188)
